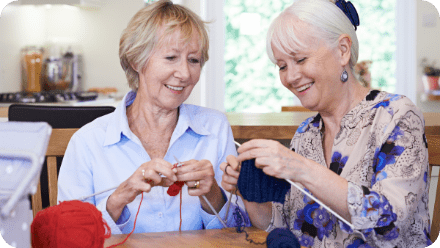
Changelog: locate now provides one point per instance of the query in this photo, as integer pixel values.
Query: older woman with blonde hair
(137, 148)
(364, 155)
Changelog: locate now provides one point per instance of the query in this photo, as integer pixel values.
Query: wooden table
(227, 237)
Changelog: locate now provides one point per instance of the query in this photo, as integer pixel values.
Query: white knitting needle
(209, 204)
(316, 200)
(85, 197)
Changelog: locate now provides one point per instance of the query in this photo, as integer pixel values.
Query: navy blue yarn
(240, 226)
(282, 238)
(350, 11)
(256, 186)
(238, 218)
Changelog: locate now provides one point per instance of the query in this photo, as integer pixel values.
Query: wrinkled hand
(195, 171)
(231, 172)
(274, 159)
(140, 182)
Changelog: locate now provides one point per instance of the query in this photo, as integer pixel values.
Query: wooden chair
(65, 120)
(57, 147)
(294, 109)
(434, 160)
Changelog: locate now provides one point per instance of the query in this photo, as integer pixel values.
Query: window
(251, 81)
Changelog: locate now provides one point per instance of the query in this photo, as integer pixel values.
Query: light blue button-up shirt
(105, 152)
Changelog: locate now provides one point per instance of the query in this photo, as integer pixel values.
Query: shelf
(433, 95)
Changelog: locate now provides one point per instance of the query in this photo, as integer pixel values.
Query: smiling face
(171, 72)
(311, 73)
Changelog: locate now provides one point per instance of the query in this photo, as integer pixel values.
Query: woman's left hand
(197, 175)
(274, 159)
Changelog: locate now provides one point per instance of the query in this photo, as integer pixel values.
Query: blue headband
(350, 11)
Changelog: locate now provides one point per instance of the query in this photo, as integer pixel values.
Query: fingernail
(174, 170)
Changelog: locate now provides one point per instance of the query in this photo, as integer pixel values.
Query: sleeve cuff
(116, 227)
(355, 201)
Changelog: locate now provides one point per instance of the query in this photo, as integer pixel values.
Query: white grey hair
(328, 23)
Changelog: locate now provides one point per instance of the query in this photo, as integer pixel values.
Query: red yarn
(134, 225)
(79, 224)
(69, 224)
(180, 209)
(174, 189)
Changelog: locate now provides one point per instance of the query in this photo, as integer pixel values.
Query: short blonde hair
(148, 29)
(328, 23)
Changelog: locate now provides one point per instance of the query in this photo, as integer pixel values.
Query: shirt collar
(118, 125)
(188, 119)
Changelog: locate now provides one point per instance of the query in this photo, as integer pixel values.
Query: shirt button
(160, 214)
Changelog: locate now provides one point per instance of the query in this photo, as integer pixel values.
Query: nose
(293, 74)
(182, 71)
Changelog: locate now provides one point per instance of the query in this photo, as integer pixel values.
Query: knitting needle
(316, 200)
(230, 196)
(209, 204)
(85, 197)
(98, 193)
(322, 204)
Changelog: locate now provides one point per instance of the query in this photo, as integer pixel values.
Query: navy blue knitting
(256, 186)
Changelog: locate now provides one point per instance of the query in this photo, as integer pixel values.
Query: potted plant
(431, 75)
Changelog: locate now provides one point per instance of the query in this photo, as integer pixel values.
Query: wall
(95, 33)
(101, 46)
(428, 46)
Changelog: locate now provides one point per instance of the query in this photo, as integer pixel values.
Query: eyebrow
(174, 49)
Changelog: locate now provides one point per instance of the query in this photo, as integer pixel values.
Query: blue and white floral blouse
(381, 150)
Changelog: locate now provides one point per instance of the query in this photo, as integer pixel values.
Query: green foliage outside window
(377, 38)
(252, 81)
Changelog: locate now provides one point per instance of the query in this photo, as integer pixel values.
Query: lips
(304, 87)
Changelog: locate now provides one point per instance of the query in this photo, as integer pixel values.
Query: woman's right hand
(142, 180)
(260, 214)
(231, 172)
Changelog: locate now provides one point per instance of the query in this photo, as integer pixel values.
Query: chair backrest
(57, 116)
(434, 160)
(65, 121)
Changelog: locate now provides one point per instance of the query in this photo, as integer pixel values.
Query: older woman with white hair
(138, 147)
(364, 155)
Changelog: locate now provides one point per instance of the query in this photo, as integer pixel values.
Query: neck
(352, 94)
(143, 117)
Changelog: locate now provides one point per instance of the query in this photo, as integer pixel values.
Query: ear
(344, 49)
(134, 67)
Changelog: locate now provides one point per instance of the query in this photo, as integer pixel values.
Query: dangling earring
(344, 76)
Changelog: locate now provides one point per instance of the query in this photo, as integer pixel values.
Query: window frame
(212, 85)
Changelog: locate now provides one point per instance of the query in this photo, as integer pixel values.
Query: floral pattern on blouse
(313, 221)
(381, 150)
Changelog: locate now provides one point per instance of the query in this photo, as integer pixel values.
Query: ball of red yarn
(69, 224)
